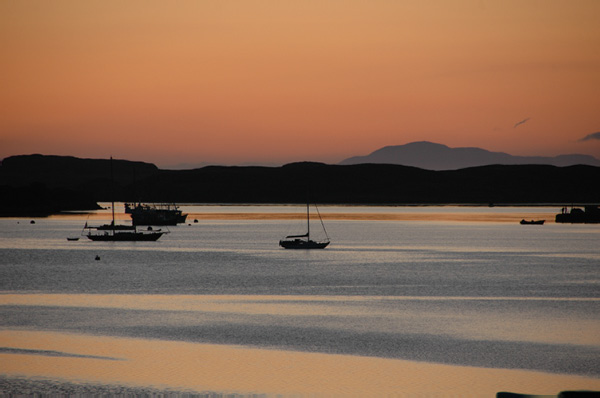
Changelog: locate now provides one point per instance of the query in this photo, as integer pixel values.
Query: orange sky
(229, 82)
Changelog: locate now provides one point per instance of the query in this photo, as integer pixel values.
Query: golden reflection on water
(221, 368)
(448, 217)
(369, 313)
(472, 216)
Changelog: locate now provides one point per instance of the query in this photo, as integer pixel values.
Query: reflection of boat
(304, 241)
(120, 233)
(589, 214)
(532, 222)
(161, 214)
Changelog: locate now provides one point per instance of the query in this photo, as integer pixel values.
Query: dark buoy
(31, 222)
(195, 220)
(97, 257)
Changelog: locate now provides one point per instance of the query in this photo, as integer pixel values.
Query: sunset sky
(271, 82)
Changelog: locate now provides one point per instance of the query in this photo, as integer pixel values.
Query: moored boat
(588, 215)
(155, 214)
(125, 236)
(112, 226)
(304, 241)
(302, 244)
(532, 222)
(121, 233)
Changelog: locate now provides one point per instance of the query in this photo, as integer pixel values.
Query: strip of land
(38, 185)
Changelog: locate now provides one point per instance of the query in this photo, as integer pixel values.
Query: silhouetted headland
(38, 184)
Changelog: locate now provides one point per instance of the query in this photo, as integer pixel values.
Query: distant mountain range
(432, 156)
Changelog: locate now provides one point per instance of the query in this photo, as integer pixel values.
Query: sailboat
(121, 233)
(304, 241)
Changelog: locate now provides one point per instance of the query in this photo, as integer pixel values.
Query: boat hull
(126, 237)
(302, 244)
(532, 222)
(155, 215)
(588, 215)
(157, 218)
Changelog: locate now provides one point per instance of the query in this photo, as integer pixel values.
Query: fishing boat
(121, 233)
(590, 214)
(155, 214)
(532, 222)
(304, 241)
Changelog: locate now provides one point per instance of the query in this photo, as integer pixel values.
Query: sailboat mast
(112, 195)
(307, 221)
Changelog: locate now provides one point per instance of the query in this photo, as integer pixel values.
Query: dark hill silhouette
(384, 184)
(431, 156)
(38, 185)
(69, 171)
(379, 184)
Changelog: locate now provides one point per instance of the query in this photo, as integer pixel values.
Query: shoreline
(337, 213)
(104, 207)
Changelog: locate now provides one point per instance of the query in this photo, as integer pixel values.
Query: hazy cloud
(593, 136)
(521, 122)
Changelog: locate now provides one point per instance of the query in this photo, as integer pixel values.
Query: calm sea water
(491, 294)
